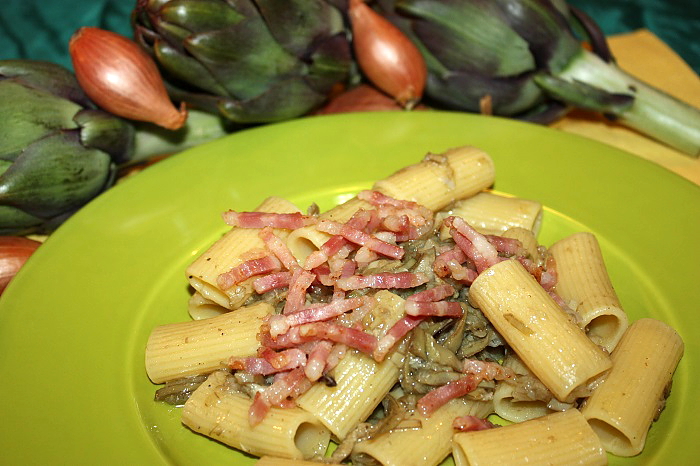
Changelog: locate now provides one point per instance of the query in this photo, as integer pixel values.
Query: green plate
(74, 322)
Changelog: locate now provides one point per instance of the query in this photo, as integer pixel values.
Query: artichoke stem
(151, 140)
(653, 113)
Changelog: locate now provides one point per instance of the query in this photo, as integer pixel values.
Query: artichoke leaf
(331, 63)
(464, 91)
(469, 33)
(585, 96)
(297, 23)
(104, 131)
(45, 76)
(14, 221)
(184, 68)
(54, 175)
(244, 58)
(28, 114)
(545, 28)
(297, 96)
(200, 16)
(172, 33)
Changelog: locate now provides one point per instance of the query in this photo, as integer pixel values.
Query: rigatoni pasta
(219, 412)
(395, 324)
(621, 410)
(196, 347)
(558, 439)
(492, 214)
(440, 179)
(228, 252)
(361, 383)
(582, 278)
(555, 349)
(421, 441)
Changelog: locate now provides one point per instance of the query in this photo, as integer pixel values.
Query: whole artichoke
(253, 61)
(57, 151)
(526, 57)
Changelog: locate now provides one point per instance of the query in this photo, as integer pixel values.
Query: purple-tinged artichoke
(252, 61)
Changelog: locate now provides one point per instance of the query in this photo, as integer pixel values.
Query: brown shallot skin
(121, 78)
(387, 56)
(14, 252)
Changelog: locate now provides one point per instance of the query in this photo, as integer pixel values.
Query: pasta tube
(200, 307)
(563, 438)
(504, 402)
(583, 279)
(439, 180)
(276, 461)
(527, 238)
(623, 407)
(216, 411)
(303, 241)
(361, 382)
(197, 347)
(426, 445)
(226, 253)
(493, 214)
(555, 349)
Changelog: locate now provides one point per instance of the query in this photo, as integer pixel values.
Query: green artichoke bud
(252, 61)
(57, 151)
(526, 57)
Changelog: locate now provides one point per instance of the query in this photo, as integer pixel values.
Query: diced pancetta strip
(323, 275)
(319, 312)
(507, 246)
(391, 210)
(270, 362)
(437, 397)
(546, 276)
(377, 198)
(364, 256)
(271, 281)
(329, 226)
(435, 293)
(471, 424)
(449, 263)
(278, 325)
(286, 386)
(395, 333)
(361, 238)
(290, 221)
(318, 357)
(284, 360)
(354, 338)
(337, 353)
(258, 409)
(247, 269)
(385, 280)
(278, 248)
(435, 309)
(474, 244)
(365, 220)
(487, 370)
(397, 224)
(300, 281)
(288, 339)
(477, 257)
(252, 365)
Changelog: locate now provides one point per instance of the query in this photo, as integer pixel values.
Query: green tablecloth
(40, 29)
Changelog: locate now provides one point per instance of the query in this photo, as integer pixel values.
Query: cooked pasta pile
(393, 325)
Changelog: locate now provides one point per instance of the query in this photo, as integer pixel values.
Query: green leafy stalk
(647, 109)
